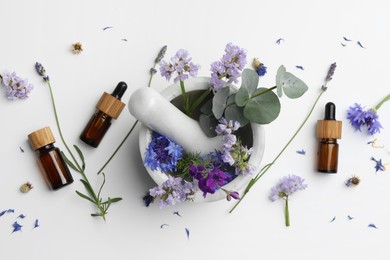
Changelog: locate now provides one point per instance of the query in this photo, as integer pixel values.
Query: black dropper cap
(119, 90)
(330, 111)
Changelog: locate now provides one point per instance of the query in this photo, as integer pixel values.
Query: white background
(313, 32)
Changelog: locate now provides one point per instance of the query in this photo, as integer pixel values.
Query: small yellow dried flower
(256, 63)
(77, 48)
(26, 187)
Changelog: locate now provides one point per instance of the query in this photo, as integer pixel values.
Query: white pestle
(157, 113)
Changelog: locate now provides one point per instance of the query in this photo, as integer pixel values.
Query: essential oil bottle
(108, 107)
(50, 159)
(328, 131)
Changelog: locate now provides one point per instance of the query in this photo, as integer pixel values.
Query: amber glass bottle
(328, 131)
(50, 159)
(108, 107)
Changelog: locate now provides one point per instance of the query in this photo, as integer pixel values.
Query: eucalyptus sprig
(284, 84)
(79, 165)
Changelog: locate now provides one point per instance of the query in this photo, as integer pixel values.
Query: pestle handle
(157, 113)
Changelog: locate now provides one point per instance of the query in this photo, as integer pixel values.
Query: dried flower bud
(161, 54)
(153, 71)
(256, 63)
(331, 72)
(77, 48)
(353, 181)
(26, 187)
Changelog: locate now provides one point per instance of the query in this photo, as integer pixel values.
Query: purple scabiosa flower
(181, 65)
(284, 188)
(378, 165)
(229, 67)
(41, 71)
(162, 153)
(172, 191)
(15, 86)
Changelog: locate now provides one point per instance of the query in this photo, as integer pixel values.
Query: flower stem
(117, 149)
(199, 100)
(287, 213)
(185, 98)
(387, 98)
(268, 166)
(263, 92)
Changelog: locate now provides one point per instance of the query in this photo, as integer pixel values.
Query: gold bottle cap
(329, 129)
(110, 105)
(41, 138)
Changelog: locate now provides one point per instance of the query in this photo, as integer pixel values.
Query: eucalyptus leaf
(208, 124)
(234, 112)
(291, 85)
(207, 108)
(262, 109)
(279, 79)
(219, 102)
(250, 81)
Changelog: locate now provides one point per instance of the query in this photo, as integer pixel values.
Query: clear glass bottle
(328, 131)
(108, 107)
(50, 159)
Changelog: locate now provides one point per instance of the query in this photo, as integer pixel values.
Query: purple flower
(162, 153)
(229, 67)
(209, 180)
(172, 191)
(225, 127)
(16, 226)
(181, 65)
(15, 86)
(41, 71)
(262, 70)
(358, 117)
(231, 194)
(378, 165)
(286, 187)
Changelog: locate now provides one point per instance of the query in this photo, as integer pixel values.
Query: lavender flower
(229, 67)
(172, 191)
(181, 65)
(162, 153)
(358, 117)
(286, 187)
(15, 86)
(41, 71)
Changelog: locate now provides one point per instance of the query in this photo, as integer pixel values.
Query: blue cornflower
(358, 117)
(162, 153)
(260, 68)
(378, 165)
(371, 120)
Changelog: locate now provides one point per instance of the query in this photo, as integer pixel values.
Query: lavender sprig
(158, 59)
(268, 166)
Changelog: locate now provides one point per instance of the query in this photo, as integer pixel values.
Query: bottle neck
(328, 140)
(45, 149)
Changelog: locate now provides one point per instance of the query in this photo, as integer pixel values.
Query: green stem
(287, 213)
(117, 149)
(387, 98)
(263, 92)
(199, 100)
(185, 98)
(266, 168)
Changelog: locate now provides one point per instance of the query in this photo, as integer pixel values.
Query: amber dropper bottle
(328, 131)
(108, 107)
(50, 159)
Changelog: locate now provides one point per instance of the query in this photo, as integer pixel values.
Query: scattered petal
(188, 233)
(10, 211)
(108, 27)
(299, 67)
(2, 213)
(342, 44)
(125, 40)
(163, 225)
(334, 218)
(177, 213)
(375, 145)
(22, 216)
(346, 39)
(349, 217)
(279, 41)
(360, 44)
(303, 152)
(21, 149)
(372, 226)
(378, 165)
(36, 223)
(16, 227)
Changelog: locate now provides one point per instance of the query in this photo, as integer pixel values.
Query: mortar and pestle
(155, 111)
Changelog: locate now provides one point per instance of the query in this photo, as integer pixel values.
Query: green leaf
(250, 81)
(208, 124)
(85, 197)
(112, 200)
(234, 112)
(80, 155)
(264, 108)
(207, 107)
(279, 78)
(291, 85)
(96, 215)
(101, 187)
(219, 102)
(68, 162)
(89, 189)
